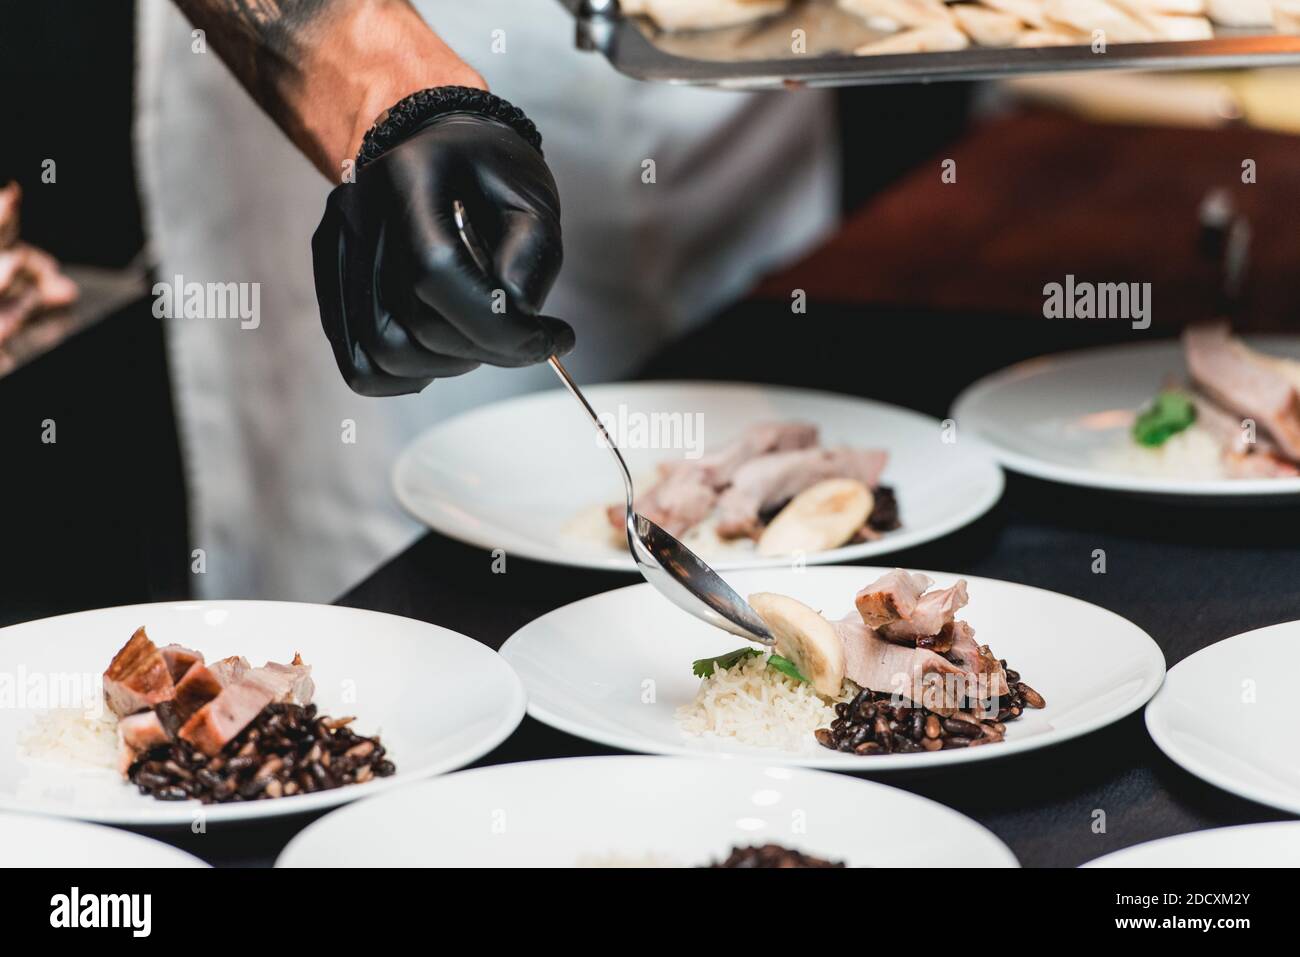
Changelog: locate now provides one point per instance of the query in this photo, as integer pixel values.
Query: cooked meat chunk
(179, 660)
(194, 690)
(1246, 383)
(717, 469)
(933, 611)
(137, 678)
(229, 670)
(770, 480)
(292, 682)
(676, 503)
(137, 733)
(1241, 458)
(213, 726)
(978, 660)
(892, 596)
(687, 490)
(141, 731)
(917, 674)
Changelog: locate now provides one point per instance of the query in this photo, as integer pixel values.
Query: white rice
(759, 706)
(1191, 454)
(71, 736)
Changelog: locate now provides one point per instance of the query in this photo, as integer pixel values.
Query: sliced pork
(892, 596)
(1258, 465)
(214, 725)
(978, 660)
(676, 503)
(688, 490)
(917, 674)
(229, 670)
(194, 690)
(717, 469)
(772, 480)
(138, 677)
(1241, 457)
(136, 734)
(179, 660)
(1245, 383)
(290, 683)
(933, 611)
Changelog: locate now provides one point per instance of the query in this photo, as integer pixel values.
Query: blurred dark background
(948, 276)
(67, 69)
(98, 517)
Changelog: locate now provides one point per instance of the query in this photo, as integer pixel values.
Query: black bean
(875, 723)
(962, 729)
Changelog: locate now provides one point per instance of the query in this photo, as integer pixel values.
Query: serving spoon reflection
(670, 567)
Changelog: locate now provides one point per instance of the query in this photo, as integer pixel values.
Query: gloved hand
(402, 299)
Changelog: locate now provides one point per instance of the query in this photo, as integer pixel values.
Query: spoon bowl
(674, 570)
(688, 582)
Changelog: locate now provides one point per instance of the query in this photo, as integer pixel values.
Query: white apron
(282, 506)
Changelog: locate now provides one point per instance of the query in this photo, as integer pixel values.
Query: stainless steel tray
(758, 55)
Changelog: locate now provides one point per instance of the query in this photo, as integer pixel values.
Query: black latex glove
(401, 298)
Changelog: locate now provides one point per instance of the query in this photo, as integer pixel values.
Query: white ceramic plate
(637, 811)
(439, 700)
(528, 476)
(615, 667)
(1225, 714)
(1066, 418)
(1252, 845)
(30, 841)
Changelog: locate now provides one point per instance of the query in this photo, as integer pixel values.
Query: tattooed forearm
(324, 69)
(264, 42)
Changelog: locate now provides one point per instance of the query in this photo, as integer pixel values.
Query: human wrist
(365, 60)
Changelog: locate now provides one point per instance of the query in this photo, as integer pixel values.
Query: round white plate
(30, 841)
(392, 673)
(1225, 714)
(637, 811)
(529, 476)
(1252, 845)
(1065, 417)
(615, 667)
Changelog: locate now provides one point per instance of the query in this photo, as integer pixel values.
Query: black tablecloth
(1190, 575)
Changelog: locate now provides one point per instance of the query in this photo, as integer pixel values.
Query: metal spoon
(674, 570)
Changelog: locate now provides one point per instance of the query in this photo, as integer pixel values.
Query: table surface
(1189, 575)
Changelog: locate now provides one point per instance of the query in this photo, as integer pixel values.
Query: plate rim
(164, 815)
(1107, 860)
(996, 842)
(888, 763)
(1080, 477)
(1161, 734)
(179, 858)
(980, 457)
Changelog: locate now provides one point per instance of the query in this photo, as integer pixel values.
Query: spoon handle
(479, 255)
(572, 386)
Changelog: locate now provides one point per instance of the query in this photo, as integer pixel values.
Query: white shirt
(284, 507)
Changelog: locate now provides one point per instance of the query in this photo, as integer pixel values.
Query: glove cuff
(412, 113)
